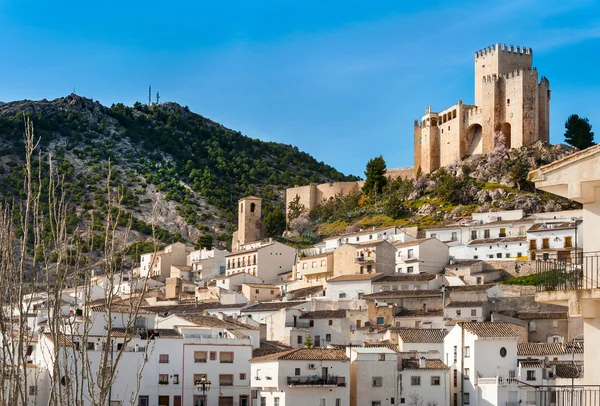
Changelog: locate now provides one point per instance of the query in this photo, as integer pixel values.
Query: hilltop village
(455, 314)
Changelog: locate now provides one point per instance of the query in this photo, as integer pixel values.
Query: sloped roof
(403, 293)
(63, 340)
(266, 306)
(121, 308)
(302, 293)
(552, 226)
(540, 349)
(305, 354)
(464, 304)
(420, 335)
(412, 363)
(542, 315)
(212, 321)
(356, 277)
(418, 241)
(471, 288)
(324, 314)
(419, 313)
(490, 330)
(408, 277)
(531, 364)
(566, 369)
(498, 240)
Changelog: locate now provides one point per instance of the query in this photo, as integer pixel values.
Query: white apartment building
(373, 376)
(267, 261)
(497, 248)
(301, 377)
(327, 327)
(207, 264)
(158, 264)
(476, 311)
(483, 363)
(385, 233)
(424, 380)
(420, 342)
(555, 240)
(423, 255)
(351, 286)
(406, 282)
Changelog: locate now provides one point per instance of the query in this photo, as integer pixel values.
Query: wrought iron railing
(580, 271)
(316, 380)
(567, 395)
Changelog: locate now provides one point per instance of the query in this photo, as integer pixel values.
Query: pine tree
(579, 132)
(308, 343)
(375, 175)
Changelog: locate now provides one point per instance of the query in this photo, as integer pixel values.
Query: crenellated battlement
(503, 48)
(520, 72)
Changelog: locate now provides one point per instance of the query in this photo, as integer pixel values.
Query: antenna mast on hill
(157, 97)
(149, 95)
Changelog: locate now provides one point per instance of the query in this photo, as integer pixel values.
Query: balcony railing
(316, 381)
(567, 395)
(498, 380)
(580, 271)
(298, 324)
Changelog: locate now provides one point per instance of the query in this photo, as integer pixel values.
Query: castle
(508, 98)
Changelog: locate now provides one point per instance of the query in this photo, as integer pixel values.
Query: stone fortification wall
(525, 267)
(313, 194)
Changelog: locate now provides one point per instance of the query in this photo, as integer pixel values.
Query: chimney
(422, 363)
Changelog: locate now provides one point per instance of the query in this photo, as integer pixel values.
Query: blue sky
(342, 80)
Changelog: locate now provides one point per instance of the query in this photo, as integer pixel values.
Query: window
(502, 233)
(473, 312)
(532, 244)
(331, 322)
(467, 352)
(163, 379)
(297, 371)
(519, 254)
(327, 337)
(473, 234)
(342, 295)
(435, 381)
(486, 233)
(32, 390)
(338, 402)
(252, 207)
(415, 381)
(176, 379)
(263, 401)
(531, 375)
(275, 401)
(455, 354)
(568, 242)
(226, 357)
(300, 341)
(377, 382)
(455, 377)
(503, 352)
(272, 292)
(322, 402)
(199, 356)
(466, 398)
(257, 291)
(409, 269)
(213, 355)
(532, 326)
(381, 357)
(244, 401)
(507, 255)
(317, 341)
(545, 243)
(454, 236)
(380, 320)
(458, 312)
(467, 374)
(311, 323)
(226, 380)
(410, 253)
(433, 235)
(242, 376)
(376, 403)
(163, 359)
(499, 255)
(143, 401)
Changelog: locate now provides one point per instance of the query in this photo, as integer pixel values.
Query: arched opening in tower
(252, 207)
(506, 132)
(474, 142)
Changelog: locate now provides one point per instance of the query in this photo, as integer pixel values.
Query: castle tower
(249, 213)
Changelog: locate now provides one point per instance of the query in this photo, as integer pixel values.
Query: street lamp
(203, 385)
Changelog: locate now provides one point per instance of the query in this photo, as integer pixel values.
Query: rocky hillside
(496, 181)
(175, 168)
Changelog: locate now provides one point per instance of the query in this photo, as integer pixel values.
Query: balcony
(568, 395)
(574, 273)
(298, 324)
(316, 380)
(498, 380)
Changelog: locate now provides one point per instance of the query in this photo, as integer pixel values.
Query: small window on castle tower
(508, 102)
(252, 207)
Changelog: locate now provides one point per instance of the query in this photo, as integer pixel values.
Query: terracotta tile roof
(167, 333)
(498, 240)
(367, 243)
(420, 313)
(261, 285)
(63, 340)
(302, 293)
(324, 314)
(403, 293)
(470, 288)
(408, 277)
(560, 225)
(356, 277)
(566, 369)
(233, 254)
(182, 267)
(488, 329)
(121, 308)
(123, 333)
(266, 306)
(531, 364)
(400, 244)
(366, 232)
(540, 349)
(421, 335)
(463, 262)
(412, 363)
(464, 304)
(542, 315)
(305, 354)
(191, 308)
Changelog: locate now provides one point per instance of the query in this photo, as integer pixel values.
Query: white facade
(424, 380)
(374, 376)
(497, 249)
(266, 262)
(350, 286)
(387, 233)
(207, 264)
(424, 255)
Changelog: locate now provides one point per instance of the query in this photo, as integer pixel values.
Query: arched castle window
(252, 207)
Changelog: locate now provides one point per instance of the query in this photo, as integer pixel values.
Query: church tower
(249, 213)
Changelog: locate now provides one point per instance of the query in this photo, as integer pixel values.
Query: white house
(207, 264)
(386, 233)
(373, 376)
(301, 377)
(351, 286)
(476, 311)
(483, 362)
(266, 261)
(421, 342)
(424, 380)
(555, 240)
(406, 282)
(497, 248)
(423, 255)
